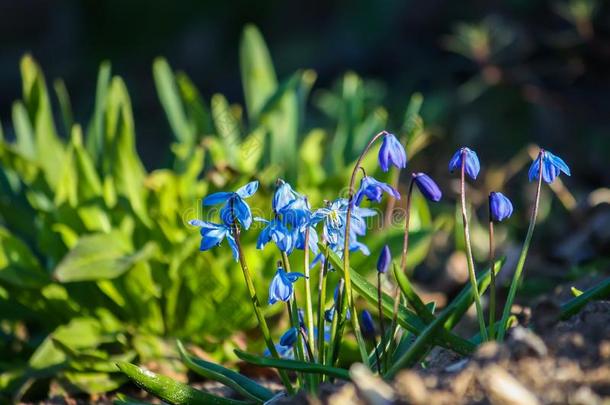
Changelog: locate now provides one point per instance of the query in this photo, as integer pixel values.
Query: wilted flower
(368, 326)
(383, 263)
(213, 234)
(427, 186)
(373, 190)
(281, 288)
(234, 204)
(471, 162)
(289, 338)
(500, 206)
(552, 166)
(392, 153)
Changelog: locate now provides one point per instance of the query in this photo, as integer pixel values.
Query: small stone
(410, 387)
(503, 389)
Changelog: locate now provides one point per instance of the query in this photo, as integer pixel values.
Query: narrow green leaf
(600, 291)
(172, 104)
(64, 104)
(227, 127)
(171, 391)
(257, 73)
(95, 130)
(18, 266)
(405, 286)
(241, 384)
(23, 131)
(285, 364)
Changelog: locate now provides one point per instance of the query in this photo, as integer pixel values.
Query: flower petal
(247, 190)
(217, 198)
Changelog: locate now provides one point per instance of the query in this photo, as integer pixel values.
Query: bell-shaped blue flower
(275, 231)
(289, 338)
(281, 288)
(552, 166)
(368, 325)
(392, 153)
(427, 187)
(234, 204)
(373, 190)
(213, 234)
(500, 206)
(284, 195)
(385, 258)
(472, 166)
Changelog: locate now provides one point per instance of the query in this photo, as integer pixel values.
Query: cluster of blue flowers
(294, 224)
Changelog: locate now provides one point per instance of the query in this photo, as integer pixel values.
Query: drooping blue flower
(281, 288)
(213, 234)
(552, 166)
(472, 166)
(427, 187)
(289, 338)
(368, 325)
(385, 258)
(296, 213)
(234, 204)
(392, 153)
(284, 195)
(500, 206)
(373, 190)
(277, 232)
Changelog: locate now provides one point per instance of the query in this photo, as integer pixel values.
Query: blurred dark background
(522, 71)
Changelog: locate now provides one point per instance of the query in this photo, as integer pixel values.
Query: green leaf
(64, 103)
(227, 127)
(241, 384)
(23, 131)
(95, 130)
(49, 148)
(257, 74)
(285, 364)
(600, 291)
(172, 104)
(99, 257)
(18, 266)
(171, 391)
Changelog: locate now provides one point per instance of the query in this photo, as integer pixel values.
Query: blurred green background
(107, 149)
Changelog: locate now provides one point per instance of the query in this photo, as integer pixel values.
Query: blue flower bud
(289, 337)
(385, 258)
(427, 186)
(392, 153)
(472, 166)
(500, 206)
(329, 314)
(368, 326)
(552, 166)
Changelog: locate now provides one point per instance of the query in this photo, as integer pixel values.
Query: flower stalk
(521, 263)
(471, 272)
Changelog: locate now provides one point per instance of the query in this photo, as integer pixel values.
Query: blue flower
(392, 153)
(368, 326)
(284, 195)
(385, 258)
(373, 190)
(281, 288)
(213, 234)
(296, 213)
(500, 206)
(283, 351)
(234, 204)
(427, 186)
(472, 166)
(278, 233)
(289, 338)
(552, 166)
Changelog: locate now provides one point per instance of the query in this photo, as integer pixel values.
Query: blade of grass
(600, 291)
(241, 384)
(295, 365)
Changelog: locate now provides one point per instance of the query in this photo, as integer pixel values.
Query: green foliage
(97, 262)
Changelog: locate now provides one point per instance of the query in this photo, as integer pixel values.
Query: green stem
(521, 263)
(308, 303)
(471, 272)
(492, 285)
(349, 302)
(321, 308)
(256, 305)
